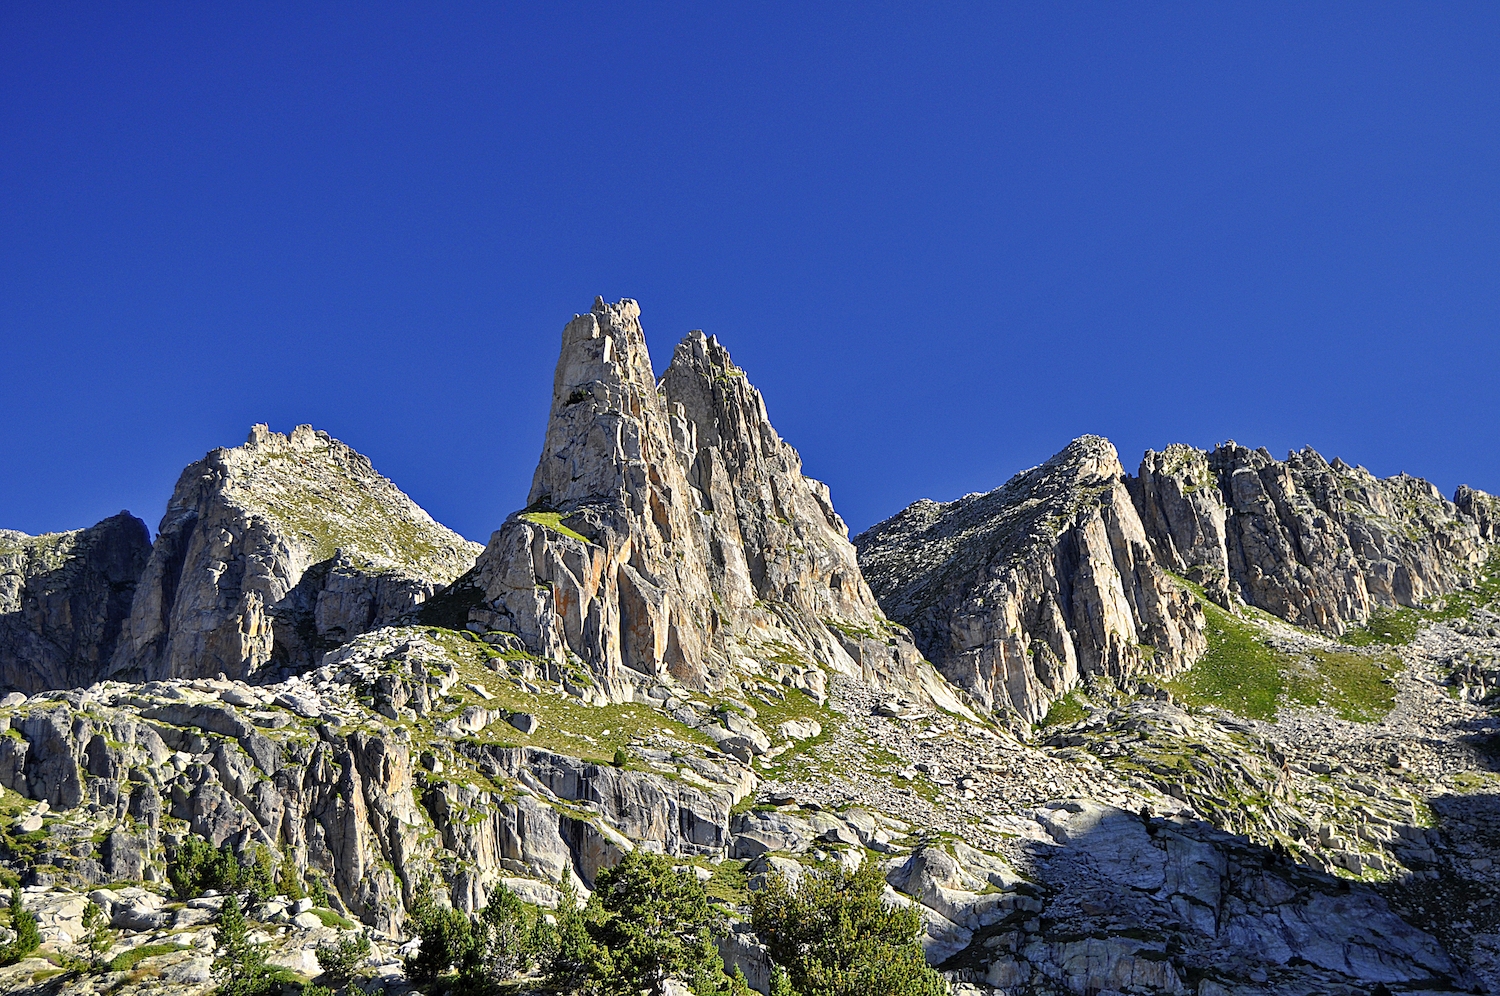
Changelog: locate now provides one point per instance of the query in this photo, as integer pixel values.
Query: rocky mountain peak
(231, 582)
(1018, 593)
(672, 535)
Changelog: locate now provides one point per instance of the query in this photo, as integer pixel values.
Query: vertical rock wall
(1319, 544)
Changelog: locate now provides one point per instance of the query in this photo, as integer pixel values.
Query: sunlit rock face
(1018, 593)
(1319, 544)
(670, 530)
(280, 549)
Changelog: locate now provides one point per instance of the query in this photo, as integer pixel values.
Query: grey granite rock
(1319, 544)
(1018, 593)
(279, 550)
(670, 532)
(63, 600)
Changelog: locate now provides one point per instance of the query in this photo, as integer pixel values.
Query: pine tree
(657, 924)
(242, 965)
(23, 922)
(836, 936)
(96, 935)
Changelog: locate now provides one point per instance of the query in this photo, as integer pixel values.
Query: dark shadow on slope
(1165, 905)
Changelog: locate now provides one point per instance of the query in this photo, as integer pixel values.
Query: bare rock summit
(1019, 593)
(279, 550)
(670, 532)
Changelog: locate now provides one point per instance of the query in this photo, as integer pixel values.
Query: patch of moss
(1064, 711)
(552, 521)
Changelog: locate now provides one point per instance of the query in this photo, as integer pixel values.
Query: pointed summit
(670, 531)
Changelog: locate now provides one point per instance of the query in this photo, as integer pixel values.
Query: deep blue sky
(942, 240)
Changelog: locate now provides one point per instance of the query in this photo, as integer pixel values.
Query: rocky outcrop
(371, 805)
(1018, 593)
(670, 531)
(63, 600)
(1183, 513)
(276, 551)
(1483, 508)
(1319, 544)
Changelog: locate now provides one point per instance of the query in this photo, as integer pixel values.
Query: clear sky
(943, 240)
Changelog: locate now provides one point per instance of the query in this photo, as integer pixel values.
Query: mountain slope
(280, 549)
(1018, 593)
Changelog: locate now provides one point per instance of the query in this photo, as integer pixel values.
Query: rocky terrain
(1181, 736)
(64, 598)
(279, 550)
(1018, 593)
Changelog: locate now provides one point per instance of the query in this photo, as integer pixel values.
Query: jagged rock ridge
(280, 549)
(1017, 593)
(670, 531)
(1319, 544)
(63, 600)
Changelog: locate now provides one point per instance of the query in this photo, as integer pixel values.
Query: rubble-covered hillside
(1166, 747)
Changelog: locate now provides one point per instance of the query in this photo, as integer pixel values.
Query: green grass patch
(1356, 686)
(332, 919)
(127, 960)
(1240, 672)
(729, 883)
(1387, 627)
(567, 725)
(552, 521)
(1064, 711)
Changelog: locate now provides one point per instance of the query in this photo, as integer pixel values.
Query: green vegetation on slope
(552, 521)
(1397, 627)
(1064, 711)
(1243, 673)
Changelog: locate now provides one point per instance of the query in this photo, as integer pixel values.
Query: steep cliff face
(1017, 593)
(1319, 544)
(63, 600)
(670, 531)
(1178, 498)
(279, 550)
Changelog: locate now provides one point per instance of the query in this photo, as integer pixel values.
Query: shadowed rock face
(280, 549)
(63, 599)
(670, 530)
(1017, 593)
(1319, 544)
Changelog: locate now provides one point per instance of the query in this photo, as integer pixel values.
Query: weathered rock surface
(670, 531)
(63, 600)
(1017, 593)
(1319, 544)
(279, 550)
